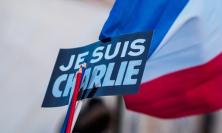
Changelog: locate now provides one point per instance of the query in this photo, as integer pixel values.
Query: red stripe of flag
(187, 92)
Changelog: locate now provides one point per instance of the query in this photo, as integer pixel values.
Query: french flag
(183, 75)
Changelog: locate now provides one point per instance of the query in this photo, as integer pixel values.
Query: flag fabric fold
(183, 74)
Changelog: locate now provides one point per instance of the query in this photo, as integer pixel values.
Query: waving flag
(183, 75)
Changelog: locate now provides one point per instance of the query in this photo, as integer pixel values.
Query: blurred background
(31, 34)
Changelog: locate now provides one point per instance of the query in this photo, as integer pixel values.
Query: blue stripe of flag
(130, 16)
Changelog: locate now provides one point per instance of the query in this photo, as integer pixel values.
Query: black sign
(113, 68)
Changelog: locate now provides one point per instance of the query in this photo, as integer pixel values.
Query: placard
(113, 68)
